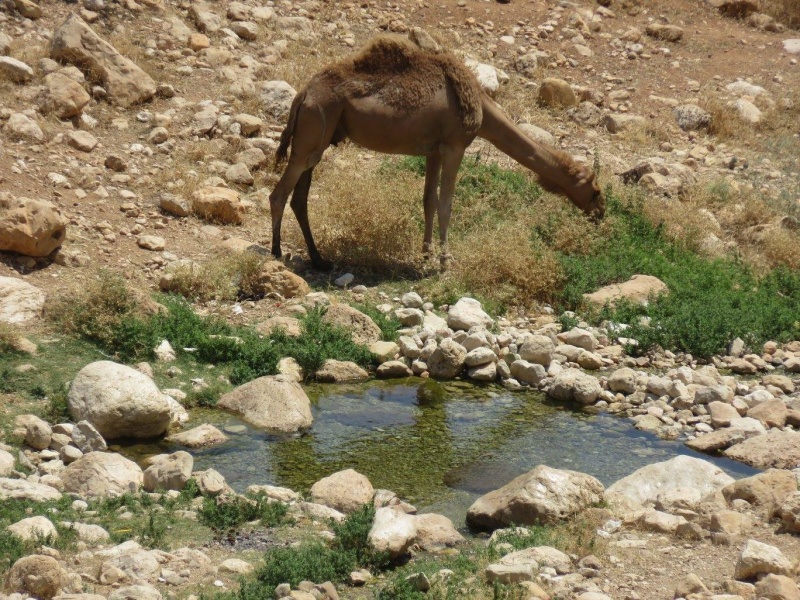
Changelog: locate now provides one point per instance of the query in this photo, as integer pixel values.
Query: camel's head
(589, 197)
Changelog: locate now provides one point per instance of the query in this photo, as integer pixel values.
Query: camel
(396, 98)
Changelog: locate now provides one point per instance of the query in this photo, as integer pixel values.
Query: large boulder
(62, 96)
(19, 489)
(274, 277)
(87, 439)
(682, 481)
(101, 474)
(638, 289)
(120, 402)
(537, 349)
(573, 385)
(775, 449)
(76, 43)
(19, 300)
(541, 496)
(7, 463)
(362, 328)
(15, 70)
(169, 472)
(447, 360)
(21, 127)
(346, 491)
(37, 575)
(33, 528)
(542, 556)
(30, 227)
(218, 204)
(758, 558)
(340, 371)
(789, 513)
(436, 532)
(768, 490)
(393, 531)
(276, 97)
(556, 93)
(275, 402)
(466, 314)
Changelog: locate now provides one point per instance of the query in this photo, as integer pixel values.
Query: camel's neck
(539, 158)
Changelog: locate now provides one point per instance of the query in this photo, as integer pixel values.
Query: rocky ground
(137, 136)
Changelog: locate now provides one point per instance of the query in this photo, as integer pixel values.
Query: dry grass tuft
(8, 338)
(725, 122)
(646, 136)
(30, 54)
(221, 279)
(182, 178)
(97, 310)
(502, 264)
(688, 223)
(779, 247)
(365, 217)
(784, 11)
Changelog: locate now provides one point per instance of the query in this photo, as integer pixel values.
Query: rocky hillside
(136, 147)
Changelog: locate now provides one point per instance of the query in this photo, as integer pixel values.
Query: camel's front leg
(430, 199)
(277, 201)
(300, 208)
(450, 163)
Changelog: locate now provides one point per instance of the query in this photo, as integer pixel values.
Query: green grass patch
(227, 513)
(151, 522)
(120, 327)
(710, 301)
(320, 341)
(315, 560)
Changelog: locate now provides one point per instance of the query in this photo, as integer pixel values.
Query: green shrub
(320, 341)
(57, 410)
(312, 561)
(352, 538)
(710, 302)
(399, 589)
(229, 513)
(525, 537)
(11, 548)
(206, 397)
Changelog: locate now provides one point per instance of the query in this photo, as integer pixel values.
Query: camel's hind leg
(300, 207)
(430, 198)
(277, 200)
(314, 130)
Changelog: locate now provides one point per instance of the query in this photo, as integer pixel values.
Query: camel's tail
(288, 132)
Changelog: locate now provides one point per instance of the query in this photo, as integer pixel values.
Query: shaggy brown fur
(395, 71)
(394, 97)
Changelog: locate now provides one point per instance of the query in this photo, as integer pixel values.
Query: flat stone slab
(792, 46)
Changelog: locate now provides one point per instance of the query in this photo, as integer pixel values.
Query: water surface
(439, 446)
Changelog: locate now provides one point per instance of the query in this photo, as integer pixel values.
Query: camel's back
(405, 77)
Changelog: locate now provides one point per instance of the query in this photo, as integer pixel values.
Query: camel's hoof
(322, 265)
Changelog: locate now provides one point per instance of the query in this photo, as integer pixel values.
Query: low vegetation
(121, 326)
(315, 560)
(149, 520)
(227, 513)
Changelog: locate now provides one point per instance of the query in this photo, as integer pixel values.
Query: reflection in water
(437, 445)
